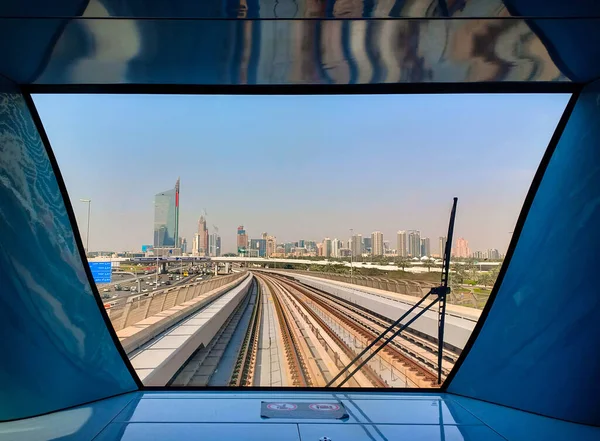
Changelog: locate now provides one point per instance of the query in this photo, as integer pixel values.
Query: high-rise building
(166, 218)
(271, 245)
(203, 247)
(425, 247)
(414, 243)
(356, 245)
(493, 253)
(183, 244)
(260, 245)
(327, 247)
(301, 243)
(368, 244)
(442, 244)
(402, 243)
(377, 242)
(288, 247)
(336, 245)
(461, 249)
(196, 245)
(242, 240)
(214, 245)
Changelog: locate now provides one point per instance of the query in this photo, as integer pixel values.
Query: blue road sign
(101, 271)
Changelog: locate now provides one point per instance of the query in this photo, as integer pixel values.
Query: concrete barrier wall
(212, 318)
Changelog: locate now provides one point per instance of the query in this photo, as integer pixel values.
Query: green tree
(459, 273)
(486, 279)
(428, 264)
(403, 262)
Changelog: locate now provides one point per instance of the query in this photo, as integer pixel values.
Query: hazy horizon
(300, 167)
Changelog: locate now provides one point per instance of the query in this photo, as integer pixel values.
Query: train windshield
(268, 241)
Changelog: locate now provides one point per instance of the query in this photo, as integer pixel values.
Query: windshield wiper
(440, 292)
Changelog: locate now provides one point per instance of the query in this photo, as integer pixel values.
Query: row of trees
(461, 274)
(469, 274)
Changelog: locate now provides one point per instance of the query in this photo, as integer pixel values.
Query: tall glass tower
(166, 218)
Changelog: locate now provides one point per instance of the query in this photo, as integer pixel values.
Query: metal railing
(140, 307)
(409, 287)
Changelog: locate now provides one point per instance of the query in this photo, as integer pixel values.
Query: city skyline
(350, 169)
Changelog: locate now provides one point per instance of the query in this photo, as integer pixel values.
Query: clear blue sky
(301, 167)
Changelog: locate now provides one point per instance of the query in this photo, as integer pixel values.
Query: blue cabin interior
(529, 370)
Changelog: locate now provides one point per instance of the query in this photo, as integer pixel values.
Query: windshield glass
(267, 240)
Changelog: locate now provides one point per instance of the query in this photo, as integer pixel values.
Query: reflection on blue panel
(538, 349)
(55, 348)
(96, 51)
(256, 8)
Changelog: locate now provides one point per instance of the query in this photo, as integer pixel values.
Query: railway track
(243, 372)
(428, 343)
(202, 365)
(420, 349)
(299, 336)
(418, 356)
(322, 351)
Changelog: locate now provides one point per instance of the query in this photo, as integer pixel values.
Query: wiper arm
(440, 292)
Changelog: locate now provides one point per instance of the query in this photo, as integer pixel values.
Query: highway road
(126, 281)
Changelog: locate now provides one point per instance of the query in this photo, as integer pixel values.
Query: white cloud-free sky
(301, 167)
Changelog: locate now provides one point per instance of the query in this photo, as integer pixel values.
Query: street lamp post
(87, 231)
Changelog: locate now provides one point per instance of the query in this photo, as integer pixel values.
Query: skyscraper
(414, 243)
(336, 245)
(203, 246)
(196, 245)
(183, 244)
(166, 218)
(402, 243)
(425, 247)
(356, 245)
(327, 247)
(260, 245)
(377, 243)
(242, 239)
(493, 253)
(288, 247)
(271, 245)
(214, 245)
(368, 244)
(461, 248)
(442, 244)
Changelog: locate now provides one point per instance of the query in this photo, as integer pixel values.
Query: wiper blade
(440, 292)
